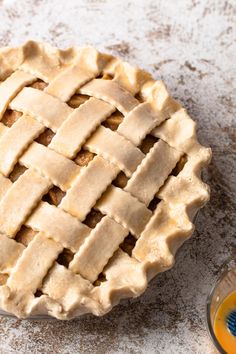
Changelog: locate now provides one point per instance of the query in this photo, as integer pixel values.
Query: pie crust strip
(10, 251)
(67, 82)
(110, 92)
(153, 171)
(57, 168)
(5, 184)
(85, 190)
(29, 278)
(61, 226)
(48, 110)
(105, 238)
(139, 122)
(17, 203)
(60, 170)
(116, 149)
(79, 126)
(11, 86)
(125, 209)
(15, 140)
(70, 232)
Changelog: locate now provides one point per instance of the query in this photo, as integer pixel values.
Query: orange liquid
(225, 338)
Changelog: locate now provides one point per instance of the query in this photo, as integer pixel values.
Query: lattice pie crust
(99, 180)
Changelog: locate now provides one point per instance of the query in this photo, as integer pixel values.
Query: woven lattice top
(99, 180)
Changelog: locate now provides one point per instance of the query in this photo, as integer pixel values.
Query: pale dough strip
(116, 149)
(70, 232)
(11, 86)
(153, 171)
(139, 122)
(125, 209)
(48, 110)
(9, 252)
(105, 238)
(46, 161)
(88, 187)
(27, 275)
(79, 126)
(59, 225)
(15, 141)
(3, 129)
(110, 92)
(57, 168)
(5, 184)
(19, 200)
(67, 82)
(72, 284)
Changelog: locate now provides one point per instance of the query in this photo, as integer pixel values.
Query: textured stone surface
(191, 45)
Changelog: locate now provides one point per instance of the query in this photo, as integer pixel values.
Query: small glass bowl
(225, 285)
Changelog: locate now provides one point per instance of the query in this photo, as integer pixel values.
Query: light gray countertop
(191, 45)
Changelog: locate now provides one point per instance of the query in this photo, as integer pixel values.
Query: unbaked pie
(99, 180)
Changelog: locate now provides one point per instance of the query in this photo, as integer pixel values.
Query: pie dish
(99, 180)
